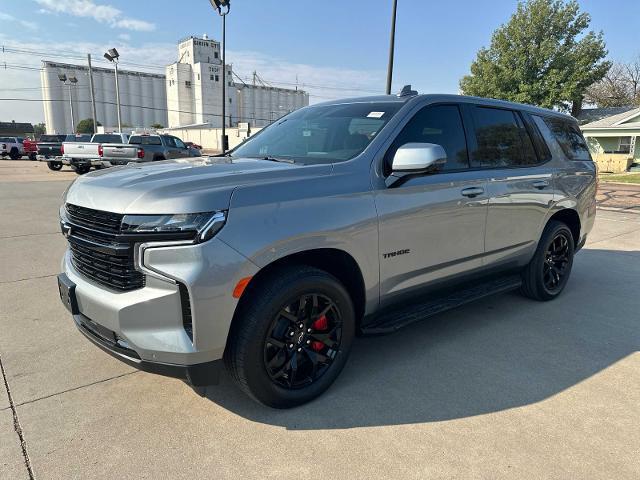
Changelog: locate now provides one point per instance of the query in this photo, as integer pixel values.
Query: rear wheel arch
(571, 219)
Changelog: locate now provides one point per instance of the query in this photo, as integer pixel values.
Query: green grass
(621, 178)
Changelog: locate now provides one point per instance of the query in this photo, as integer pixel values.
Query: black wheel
(291, 337)
(32, 156)
(548, 272)
(15, 154)
(82, 169)
(55, 166)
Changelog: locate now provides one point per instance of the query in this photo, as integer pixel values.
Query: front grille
(97, 250)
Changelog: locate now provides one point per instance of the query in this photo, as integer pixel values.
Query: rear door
(431, 226)
(520, 184)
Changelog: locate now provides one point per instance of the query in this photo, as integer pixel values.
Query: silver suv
(350, 217)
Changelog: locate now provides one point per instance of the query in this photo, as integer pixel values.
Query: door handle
(540, 184)
(472, 192)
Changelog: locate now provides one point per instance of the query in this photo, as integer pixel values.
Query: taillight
(100, 151)
(140, 153)
(62, 149)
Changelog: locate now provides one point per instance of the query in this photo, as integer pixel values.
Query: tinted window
(178, 142)
(78, 138)
(439, 124)
(169, 141)
(502, 140)
(568, 136)
(106, 138)
(145, 140)
(6, 140)
(53, 138)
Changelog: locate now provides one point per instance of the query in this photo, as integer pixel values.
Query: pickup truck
(50, 148)
(30, 148)
(145, 148)
(352, 216)
(81, 155)
(11, 147)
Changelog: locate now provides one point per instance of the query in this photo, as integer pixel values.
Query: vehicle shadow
(499, 353)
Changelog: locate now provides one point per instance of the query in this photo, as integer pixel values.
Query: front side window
(321, 134)
(624, 145)
(501, 140)
(439, 124)
(178, 142)
(169, 141)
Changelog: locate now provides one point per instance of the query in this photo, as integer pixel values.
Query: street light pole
(223, 7)
(112, 55)
(392, 42)
(118, 98)
(73, 123)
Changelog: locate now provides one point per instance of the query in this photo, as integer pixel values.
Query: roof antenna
(406, 91)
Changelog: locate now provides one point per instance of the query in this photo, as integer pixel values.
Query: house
(15, 129)
(612, 138)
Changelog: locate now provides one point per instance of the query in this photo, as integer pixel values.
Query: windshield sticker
(375, 115)
(306, 133)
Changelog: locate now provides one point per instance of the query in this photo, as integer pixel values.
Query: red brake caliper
(319, 325)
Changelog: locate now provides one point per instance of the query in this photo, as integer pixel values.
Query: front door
(432, 226)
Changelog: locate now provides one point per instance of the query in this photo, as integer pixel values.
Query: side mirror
(415, 158)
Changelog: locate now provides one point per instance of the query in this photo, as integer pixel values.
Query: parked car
(352, 216)
(11, 147)
(145, 148)
(50, 148)
(30, 148)
(81, 155)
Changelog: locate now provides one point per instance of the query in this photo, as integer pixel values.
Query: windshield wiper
(274, 159)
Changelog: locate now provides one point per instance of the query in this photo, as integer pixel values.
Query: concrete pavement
(503, 388)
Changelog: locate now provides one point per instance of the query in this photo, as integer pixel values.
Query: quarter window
(568, 136)
(439, 124)
(501, 140)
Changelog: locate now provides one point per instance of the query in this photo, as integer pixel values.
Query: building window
(215, 54)
(624, 144)
(198, 76)
(211, 77)
(217, 78)
(187, 83)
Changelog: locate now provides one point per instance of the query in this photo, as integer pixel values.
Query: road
(504, 388)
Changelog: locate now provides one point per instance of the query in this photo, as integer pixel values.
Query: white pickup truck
(11, 147)
(81, 155)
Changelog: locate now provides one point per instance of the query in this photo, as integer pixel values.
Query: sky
(332, 49)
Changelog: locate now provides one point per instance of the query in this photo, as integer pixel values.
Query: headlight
(203, 225)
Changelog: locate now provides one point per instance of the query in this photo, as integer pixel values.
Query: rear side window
(568, 136)
(501, 140)
(439, 124)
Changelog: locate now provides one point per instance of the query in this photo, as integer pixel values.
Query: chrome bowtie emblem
(66, 231)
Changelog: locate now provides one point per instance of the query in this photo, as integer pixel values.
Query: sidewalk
(619, 196)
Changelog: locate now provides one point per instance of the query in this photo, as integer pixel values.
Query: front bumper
(198, 375)
(148, 322)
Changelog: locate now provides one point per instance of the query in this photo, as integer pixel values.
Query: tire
(158, 159)
(249, 354)
(15, 154)
(548, 272)
(55, 166)
(32, 156)
(81, 170)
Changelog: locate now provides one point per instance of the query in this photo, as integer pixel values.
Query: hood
(185, 185)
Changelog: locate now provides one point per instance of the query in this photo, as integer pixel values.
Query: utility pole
(112, 55)
(73, 123)
(93, 95)
(223, 8)
(392, 42)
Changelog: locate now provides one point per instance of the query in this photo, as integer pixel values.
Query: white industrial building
(143, 97)
(194, 91)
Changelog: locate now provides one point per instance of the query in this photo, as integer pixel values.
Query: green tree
(157, 126)
(542, 56)
(39, 129)
(86, 126)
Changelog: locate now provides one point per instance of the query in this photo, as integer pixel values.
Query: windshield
(145, 140)
(106, 138)
(78, 138)
(321, 134)
(52, 138)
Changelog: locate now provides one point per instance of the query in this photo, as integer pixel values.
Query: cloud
(106, 14)
(124, 37)
(5, 17)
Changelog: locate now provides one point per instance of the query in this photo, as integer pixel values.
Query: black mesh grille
(96, 251)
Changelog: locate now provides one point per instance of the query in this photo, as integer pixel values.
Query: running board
(392, 321)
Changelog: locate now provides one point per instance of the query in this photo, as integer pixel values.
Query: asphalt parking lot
(503, 388)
